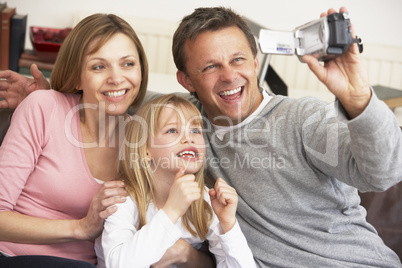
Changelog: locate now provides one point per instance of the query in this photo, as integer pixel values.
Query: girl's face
(178, 142)
(111, 77)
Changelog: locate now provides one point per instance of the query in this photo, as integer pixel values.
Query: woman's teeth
(115, 94)
(230, 92)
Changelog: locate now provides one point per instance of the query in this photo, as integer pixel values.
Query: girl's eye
(172, 130)
(196, 131)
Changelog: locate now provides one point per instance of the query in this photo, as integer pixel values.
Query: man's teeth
(115, 94)
(230, 92)
(186, 153)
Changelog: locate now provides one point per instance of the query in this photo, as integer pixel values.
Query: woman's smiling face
(111, 77)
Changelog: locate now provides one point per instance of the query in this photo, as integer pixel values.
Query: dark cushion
(5, 119)
(384, 212)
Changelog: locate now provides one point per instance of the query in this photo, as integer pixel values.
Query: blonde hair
(137, 173)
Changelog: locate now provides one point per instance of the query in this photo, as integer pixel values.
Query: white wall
(375, 21)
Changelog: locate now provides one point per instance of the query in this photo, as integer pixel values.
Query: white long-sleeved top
(123, 245)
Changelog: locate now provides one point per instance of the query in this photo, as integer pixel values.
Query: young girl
(162, 166)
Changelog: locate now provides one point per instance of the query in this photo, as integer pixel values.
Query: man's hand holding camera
(345, 76)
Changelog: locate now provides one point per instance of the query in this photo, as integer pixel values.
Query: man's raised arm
(14, 87)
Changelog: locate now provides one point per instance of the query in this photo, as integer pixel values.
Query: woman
(58, 159)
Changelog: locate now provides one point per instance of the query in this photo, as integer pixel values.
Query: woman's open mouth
(115, 94)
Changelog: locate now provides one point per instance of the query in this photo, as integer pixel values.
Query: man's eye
(208, 68)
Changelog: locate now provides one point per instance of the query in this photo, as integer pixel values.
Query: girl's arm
(124, 245)
(226, 240)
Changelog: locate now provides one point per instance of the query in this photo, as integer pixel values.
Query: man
(296, 164)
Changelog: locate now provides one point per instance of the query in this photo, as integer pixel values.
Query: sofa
(5, 119)
(384, 209)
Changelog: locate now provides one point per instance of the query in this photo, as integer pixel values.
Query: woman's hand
(101, 207)
(345, 76)
(14, 87)
(224, 201)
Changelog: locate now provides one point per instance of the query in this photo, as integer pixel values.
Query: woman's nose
(116, 77)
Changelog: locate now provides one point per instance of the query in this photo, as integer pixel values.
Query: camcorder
(325, 38)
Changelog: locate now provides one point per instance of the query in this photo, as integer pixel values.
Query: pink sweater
(43, 170)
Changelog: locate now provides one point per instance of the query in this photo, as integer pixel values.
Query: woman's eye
(98, 67)
(129, 64)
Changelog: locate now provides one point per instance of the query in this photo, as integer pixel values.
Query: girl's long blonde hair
(136, 172)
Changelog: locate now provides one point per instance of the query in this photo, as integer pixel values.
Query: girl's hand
(102, 206)
(183, 192)
(224, 201)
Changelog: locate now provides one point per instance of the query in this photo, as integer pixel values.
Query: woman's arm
(18, 228)
(25, 150)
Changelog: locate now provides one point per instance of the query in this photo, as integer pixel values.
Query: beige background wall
(376, 21)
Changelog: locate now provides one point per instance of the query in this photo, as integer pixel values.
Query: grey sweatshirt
(296, 168)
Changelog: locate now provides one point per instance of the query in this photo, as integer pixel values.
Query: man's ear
(256, 64)
(185, 81)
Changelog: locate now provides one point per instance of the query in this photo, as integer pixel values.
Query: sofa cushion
(384, 213)
(5, 119)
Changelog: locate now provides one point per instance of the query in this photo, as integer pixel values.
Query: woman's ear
(78, 88)
(185, 81)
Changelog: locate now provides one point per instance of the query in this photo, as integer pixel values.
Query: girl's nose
(187, 138)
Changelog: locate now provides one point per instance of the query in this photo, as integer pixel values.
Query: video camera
(325, 38)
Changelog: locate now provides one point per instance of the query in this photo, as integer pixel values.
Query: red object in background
(47, 41)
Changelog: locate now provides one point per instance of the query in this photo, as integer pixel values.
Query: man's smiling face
(222, 71)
